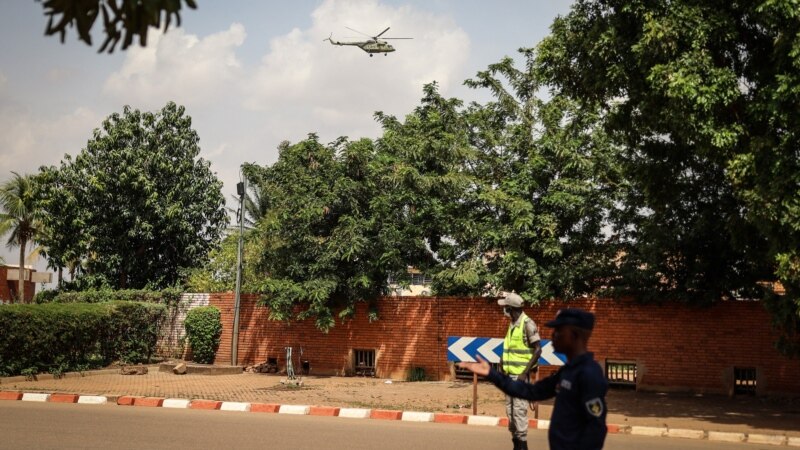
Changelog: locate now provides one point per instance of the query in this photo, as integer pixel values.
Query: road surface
(28, 425)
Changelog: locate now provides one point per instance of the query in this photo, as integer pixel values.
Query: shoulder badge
(595, 407)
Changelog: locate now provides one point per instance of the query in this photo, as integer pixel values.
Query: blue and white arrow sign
(549, 356)
(461, 348)
(465, 348)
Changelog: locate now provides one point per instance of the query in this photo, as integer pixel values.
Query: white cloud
(29, 142)
(306, 85)
(58, 75)
(179, 66)
(339, 85)
(299, 85)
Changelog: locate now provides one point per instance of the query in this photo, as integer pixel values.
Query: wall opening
(621, 373)
(744, 380)
(364, 362)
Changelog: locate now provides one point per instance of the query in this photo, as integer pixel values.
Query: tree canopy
(123, 20)
(545, 181)
(329, 238)
(512, 194)
(137, 205)
(701, 97)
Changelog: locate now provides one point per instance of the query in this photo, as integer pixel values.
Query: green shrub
(133, 329)
(203, 328)
(45, 296)
(169, 296)
(56, 338)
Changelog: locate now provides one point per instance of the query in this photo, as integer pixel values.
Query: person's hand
(481, 367)
(522, 377)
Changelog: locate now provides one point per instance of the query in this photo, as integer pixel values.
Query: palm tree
(256, 205)
(18, 216)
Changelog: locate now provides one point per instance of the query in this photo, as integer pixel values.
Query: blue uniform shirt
(579, 414)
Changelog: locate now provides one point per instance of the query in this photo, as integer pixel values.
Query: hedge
(203, 328)
(59, 337)
(169, 296)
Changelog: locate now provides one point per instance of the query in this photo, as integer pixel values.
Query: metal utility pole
(241, 189)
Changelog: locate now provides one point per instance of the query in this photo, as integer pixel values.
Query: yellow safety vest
(516, 353)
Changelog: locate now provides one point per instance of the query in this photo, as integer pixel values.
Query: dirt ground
(626, 407)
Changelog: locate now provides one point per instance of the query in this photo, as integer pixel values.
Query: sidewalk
(626, 408)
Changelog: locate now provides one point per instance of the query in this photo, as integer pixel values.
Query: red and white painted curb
(385, 414)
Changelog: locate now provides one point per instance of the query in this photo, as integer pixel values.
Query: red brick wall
(674, 346)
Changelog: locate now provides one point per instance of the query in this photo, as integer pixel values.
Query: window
(744, 380)
(420, 279)
(621, 373)
(364, 362)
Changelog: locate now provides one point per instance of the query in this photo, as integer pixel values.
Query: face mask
(507, 311)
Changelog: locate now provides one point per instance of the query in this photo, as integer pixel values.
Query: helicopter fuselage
(376, 47)
(371, 46)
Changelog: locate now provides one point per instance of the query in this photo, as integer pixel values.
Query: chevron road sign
(465, 348)
(461, 348)
(549, 356)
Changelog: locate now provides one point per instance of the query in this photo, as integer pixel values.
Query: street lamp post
(241, 189)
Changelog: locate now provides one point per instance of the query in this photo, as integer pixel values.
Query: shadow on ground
(781, 413)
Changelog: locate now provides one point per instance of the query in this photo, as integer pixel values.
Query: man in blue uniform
(579, 415)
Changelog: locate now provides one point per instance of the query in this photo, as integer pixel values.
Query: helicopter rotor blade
(365, 34)
(395, 38)
(384, 31)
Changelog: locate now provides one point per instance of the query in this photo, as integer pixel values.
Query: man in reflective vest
(521, 350)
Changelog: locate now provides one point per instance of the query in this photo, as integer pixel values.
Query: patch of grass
(417, 374)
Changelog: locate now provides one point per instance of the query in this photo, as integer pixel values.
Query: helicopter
(372, 45)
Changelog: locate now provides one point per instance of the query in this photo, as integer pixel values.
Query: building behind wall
(9, 282)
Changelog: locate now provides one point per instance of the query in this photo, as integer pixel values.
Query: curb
(260, 407)
(382, 414)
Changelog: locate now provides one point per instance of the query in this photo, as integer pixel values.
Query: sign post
(466, 349)
(474, 394)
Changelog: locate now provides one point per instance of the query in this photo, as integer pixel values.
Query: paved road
(26, 425)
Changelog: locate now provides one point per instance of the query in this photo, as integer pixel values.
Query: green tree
(425, 171)
(702, 98)
(143, 207)
(345, 217)
(218, 274)
(320, 247)
(123, 20)
(546, 181)
(56, 195)
(467, 194)
(19, 217)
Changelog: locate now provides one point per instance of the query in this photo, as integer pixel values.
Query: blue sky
(250, 73)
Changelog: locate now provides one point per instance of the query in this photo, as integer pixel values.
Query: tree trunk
(21, 289)
(60, 276)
